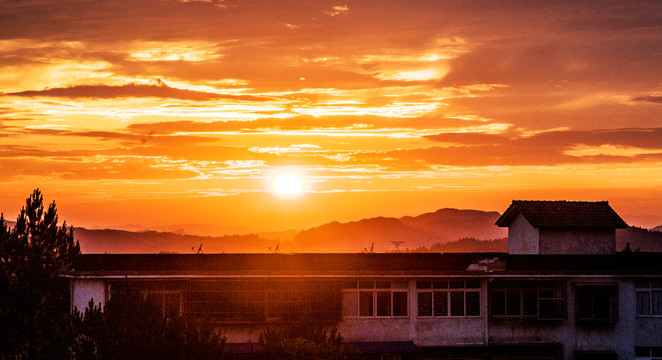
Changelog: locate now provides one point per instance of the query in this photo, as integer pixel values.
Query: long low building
(543, 305)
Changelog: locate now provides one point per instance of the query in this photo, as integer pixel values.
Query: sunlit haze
(158, 112)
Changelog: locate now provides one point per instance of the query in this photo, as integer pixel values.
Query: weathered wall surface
(577, 242)
(522, 237)
(618, 337)
(648, 331)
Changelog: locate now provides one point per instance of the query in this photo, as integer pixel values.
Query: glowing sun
(288, 183)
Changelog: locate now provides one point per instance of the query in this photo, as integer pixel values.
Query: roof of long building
(564, 214)
(338, 264)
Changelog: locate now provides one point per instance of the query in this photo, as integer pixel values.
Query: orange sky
(169, 112)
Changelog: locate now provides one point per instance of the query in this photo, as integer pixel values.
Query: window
(597, 304)
(382, 298)
(649, 298)
(648, 353)
(445, 298)
(527, 299)
(242, 301)
(169, 302)
(166, 296)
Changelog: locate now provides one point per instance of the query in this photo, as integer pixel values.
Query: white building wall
(84, 290)
(424, 331)
(523, 238)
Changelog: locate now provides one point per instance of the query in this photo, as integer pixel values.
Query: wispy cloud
(160, 90)
(337, 10)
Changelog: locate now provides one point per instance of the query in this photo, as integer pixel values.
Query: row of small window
(448, 298)
(649, 298)
(390, 298)
(375, 298)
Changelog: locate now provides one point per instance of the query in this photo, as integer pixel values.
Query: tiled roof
(564, 214)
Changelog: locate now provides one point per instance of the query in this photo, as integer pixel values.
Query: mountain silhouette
(445, 230)
(441, 226)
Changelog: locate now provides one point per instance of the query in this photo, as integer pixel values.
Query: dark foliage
(133, 328)
(464, 245)
(34, 297)
(304, 342)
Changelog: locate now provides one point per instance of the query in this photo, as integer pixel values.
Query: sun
(288, 182)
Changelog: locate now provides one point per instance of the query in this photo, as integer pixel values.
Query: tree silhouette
(304, 341)
(132, 327)
(34, 297)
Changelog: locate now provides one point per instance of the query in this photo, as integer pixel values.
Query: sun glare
(288, 183)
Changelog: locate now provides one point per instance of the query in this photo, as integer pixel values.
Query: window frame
(595, 292)
(447, 291)
(548, 292)
(149, 294)
(361, 289)
(648, 287)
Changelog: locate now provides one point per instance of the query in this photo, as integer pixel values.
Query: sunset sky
(171, 112)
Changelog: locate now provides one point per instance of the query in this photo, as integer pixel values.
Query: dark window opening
(597, 304)
(242, 300)
(443, 298)
(382, 298)
(527, 299)
(649, 298)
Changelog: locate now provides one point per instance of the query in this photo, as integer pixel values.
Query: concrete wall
(648, 331)
(618, 337)
(424, 331)
(440, 331)
(577, 242)
(522, 237)
(84, 290)
(622, 337)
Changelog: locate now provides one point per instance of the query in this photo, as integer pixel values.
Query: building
(561, 227)
(592, 305)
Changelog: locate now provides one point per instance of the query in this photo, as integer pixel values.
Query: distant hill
(424, 230)
(121, 241)
(409, 232)
(452, 224)
(445, 230)
(639, 239)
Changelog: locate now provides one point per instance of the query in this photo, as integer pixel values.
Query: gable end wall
(523, 238)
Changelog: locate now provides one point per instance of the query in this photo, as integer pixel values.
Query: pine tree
(34, 296)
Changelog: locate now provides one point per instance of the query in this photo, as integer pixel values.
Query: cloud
(546, 148)
(651, 99)
(132, 90)
(337, 10)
